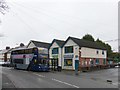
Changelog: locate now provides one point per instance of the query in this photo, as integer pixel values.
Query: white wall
(31, 45)
(55, 45)
(75, 52)
(92, 53)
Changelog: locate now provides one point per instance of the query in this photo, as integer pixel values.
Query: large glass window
(55, 51)
(97, 61)
(69, 49)
(67, 62)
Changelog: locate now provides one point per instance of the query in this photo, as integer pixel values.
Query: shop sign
(55, 56)
(68, 56)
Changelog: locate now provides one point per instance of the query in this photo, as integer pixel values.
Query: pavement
(65, 79)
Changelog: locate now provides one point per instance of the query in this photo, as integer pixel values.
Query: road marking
(39, 75)
(65, 83)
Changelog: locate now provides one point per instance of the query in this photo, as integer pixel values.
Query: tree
(3, 6)
(116, 56)
(88, 37)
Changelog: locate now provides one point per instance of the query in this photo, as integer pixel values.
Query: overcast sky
(45, 20)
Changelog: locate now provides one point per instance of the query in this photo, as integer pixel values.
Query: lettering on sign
(68, 56)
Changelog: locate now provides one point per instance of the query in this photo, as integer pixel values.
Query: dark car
(6, 64)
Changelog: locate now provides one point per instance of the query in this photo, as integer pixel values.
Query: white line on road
(58, 81)
(39, 75)
(66, 83)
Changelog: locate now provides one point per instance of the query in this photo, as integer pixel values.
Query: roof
(85, 43)
(59, 42)
(40, 44)
(19, 47)
(6, 50)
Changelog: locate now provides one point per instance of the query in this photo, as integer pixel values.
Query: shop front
(68, 61)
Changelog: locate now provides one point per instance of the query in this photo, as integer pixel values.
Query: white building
(55, 51)
(88, 53)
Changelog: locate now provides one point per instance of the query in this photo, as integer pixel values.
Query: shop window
(102, 52)
(69, 49)
(97, 61)
(67, 62)
(55, 51)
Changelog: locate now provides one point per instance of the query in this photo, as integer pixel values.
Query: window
(97, 52)
(102, 52)
(84, 62)
(18, 61)
(92, 62)
(67, 62)
(104, 61)
(55, 51)
(69, 49)
(97, 61)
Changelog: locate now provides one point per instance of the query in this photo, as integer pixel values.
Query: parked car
(6, 64)
(1, 63)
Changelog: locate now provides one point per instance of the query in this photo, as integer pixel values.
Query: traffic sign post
(76, 65)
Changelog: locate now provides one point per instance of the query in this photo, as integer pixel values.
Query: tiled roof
(19, 47)
(41, 44)
(59, 42)
(85, 43)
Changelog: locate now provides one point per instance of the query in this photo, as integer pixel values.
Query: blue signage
(68, 56)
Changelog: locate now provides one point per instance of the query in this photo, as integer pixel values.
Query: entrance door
(54, 64)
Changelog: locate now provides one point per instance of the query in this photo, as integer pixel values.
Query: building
(38, 44)
(42, 46)
(5, 54)
(1, 55)
(88, 53)
(55, 51)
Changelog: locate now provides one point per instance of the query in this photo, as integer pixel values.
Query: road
(12, 78)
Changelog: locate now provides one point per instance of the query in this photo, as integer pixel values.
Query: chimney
(7, 48)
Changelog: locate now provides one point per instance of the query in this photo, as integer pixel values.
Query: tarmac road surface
(12, 78)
